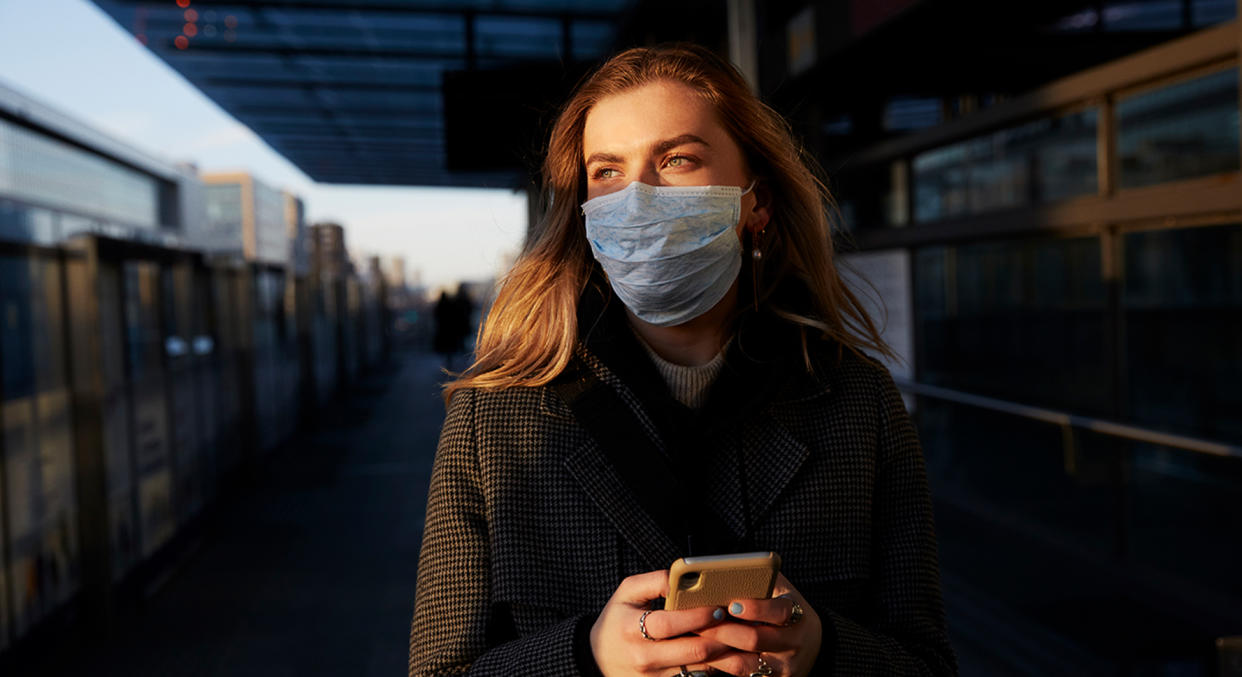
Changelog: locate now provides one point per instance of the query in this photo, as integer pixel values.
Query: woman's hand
(621, 650)
(790, 650)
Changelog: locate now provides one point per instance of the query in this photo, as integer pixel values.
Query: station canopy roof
(399, 92)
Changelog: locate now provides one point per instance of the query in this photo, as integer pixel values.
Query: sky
(69, 55)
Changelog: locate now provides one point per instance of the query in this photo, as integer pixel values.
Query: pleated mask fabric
(670, 252)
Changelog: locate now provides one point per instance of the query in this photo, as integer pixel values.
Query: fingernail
(718, 614)
(735, 608)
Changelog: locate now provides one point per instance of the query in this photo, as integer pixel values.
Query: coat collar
(739, 451)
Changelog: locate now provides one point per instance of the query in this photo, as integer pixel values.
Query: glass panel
(590, 38)
(16, 366)
(940, 183)
(179, 307)
(35, 424)
(147, 385)
(48, 171)
(1209, 12)
(1178, 132)
(71, 224)
(1019, 320)
(223, 229)
(271, 230)
(1183, 312)
(1016, 469)
(1143, 15)
(1043, 524)
(1042, 161)
(1065, 157)
(1186, 512)
(513, 36)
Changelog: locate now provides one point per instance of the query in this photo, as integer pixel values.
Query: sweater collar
(763, 362)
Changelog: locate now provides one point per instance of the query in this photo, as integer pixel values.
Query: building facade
(60, 178)
(249, 219)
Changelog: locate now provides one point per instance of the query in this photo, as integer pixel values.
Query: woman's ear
(759, 215)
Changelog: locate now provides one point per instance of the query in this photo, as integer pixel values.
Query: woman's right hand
(621, 650)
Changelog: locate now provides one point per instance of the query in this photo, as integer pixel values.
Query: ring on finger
(763, 670)
(795, 612)
(642, 627)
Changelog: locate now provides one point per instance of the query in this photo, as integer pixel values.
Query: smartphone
(716, 580)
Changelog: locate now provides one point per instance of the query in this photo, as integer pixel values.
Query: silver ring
(795, 614)
(642, 627)
(764, 670)
(684, 673)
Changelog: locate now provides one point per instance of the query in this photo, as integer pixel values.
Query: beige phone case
(721, 579)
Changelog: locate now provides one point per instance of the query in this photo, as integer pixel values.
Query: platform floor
(310, 569)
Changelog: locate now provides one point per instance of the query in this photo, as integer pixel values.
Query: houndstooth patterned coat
(530, 528)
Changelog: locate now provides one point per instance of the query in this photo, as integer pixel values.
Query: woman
(644, 391)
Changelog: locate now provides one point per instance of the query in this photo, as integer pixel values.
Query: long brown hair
(530, 332)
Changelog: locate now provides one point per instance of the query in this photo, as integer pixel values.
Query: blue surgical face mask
(670, 252)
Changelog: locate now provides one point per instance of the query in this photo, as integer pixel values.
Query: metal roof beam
(338, 114)
(174, 27)
(369, 128)
(290, 51)
(362, 85)
(587, 10)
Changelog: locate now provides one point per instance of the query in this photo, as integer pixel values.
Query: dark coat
(530, 528)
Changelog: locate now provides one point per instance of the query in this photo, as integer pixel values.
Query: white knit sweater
(688, 385)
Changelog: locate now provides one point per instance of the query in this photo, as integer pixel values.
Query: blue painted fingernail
(718, 614)
(735, 608)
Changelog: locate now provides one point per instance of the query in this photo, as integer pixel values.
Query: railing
(1067, 420)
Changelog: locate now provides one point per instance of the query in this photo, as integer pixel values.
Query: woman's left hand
(789, 649)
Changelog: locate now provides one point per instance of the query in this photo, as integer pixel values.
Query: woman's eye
(678, 161)
(605, 173)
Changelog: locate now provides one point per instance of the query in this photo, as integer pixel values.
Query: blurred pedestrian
(465, 314)
(449, 338)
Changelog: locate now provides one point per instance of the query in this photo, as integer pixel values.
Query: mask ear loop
(756, 254)
(756, 260)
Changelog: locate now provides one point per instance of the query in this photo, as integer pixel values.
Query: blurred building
(328, 256)
(249, 219)
(297, 233)
(60, 177)
(396, 272)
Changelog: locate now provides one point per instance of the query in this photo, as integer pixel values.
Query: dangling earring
(756, 258)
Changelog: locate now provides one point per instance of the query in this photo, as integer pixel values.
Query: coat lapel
(593, 471)
(771, 458)
(591, 466)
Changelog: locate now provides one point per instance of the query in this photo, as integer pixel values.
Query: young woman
(674, 367)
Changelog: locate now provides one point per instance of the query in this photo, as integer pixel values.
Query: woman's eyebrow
(669, 144)
(604, 157)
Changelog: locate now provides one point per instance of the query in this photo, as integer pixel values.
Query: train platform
(307, 570)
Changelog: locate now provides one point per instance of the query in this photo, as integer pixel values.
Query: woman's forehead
(638, 119)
